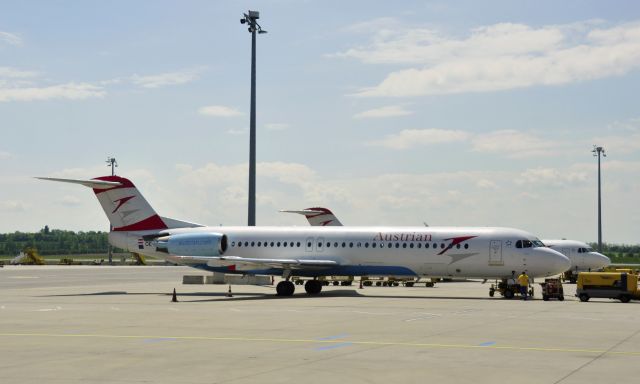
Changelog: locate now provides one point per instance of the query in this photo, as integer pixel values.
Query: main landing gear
(286, 287)
(313, 287)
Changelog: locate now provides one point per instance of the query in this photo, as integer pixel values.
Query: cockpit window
(538, 243)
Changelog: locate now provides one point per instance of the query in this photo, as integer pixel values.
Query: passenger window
(458, 246)
(373, 245)
(419, 245)
(253, 243)
(466, 246)
(233, 243)
(344, 244)
(239, 243)
(397, 245)
(389, 245)
(404, 245)
(259, 243)
(246, 243)
(309, 244)
(442, 245)
(411, 245)
(519, 244)
(278, 243)
(298, 244)
(350, 245)
(366, 245)
(284, 244)
(335, 245)
(359, 244)
(272, 243)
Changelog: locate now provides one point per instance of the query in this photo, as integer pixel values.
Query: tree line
(55, 242)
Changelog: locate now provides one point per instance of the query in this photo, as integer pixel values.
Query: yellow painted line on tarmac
(312, 341)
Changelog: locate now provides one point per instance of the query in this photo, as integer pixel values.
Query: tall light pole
(111, 162)
(597, 151)
(250, 18)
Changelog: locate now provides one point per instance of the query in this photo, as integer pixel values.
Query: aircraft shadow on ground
(194, 297)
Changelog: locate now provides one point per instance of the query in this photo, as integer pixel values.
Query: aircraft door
(309, 244)
(320, 244)
(495, 253)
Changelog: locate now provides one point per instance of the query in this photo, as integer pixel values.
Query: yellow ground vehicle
(622, 286)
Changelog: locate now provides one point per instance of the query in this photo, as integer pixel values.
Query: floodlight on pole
(599, 151)
(250, 18)
(111, 162)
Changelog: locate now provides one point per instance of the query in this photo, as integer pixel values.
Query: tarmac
(103, 324)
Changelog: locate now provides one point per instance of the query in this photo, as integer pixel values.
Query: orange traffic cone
(229, 293)
(361, 284)
(174, 299)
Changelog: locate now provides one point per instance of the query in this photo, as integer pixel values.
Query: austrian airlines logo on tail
(121, 202)
(455, 241)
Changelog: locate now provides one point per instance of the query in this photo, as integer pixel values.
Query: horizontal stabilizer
(95, 184)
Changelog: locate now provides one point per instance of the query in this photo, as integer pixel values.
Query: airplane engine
(193, 244)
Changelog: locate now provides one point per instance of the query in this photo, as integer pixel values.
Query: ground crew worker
(523, 281)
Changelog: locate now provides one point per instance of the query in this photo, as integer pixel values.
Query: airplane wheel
(584, 297)
(561, 298)
(313, 287)
(625, 298)
(429, 284)
(285, 288)
(492, 292)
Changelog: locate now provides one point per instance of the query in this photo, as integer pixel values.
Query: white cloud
(70, 201)
(409, 138)
(14, 206)
(10, 38)
(219, 111)
(276, 126)
(71, 91)
(551, 176)
(513, 144)
(498, 57)
(164, 79)
(388, 111)
(5, 155)
(12, 73)
(619, 144)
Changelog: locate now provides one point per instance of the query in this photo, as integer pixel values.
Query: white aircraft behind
(582, 256)
(315, 252)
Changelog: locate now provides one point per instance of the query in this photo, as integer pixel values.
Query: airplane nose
(552, 262)
(595, 260)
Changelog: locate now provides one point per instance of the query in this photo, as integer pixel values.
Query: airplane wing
(256, 262)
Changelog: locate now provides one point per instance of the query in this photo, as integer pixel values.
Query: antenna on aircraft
(250, 18)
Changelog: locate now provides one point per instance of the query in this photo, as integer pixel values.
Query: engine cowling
(194, 244)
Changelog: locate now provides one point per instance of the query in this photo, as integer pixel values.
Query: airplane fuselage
(372, 251)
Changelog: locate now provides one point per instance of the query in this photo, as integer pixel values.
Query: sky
(451, 113)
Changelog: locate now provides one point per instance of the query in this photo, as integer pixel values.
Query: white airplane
(582, 256)
(314, 252)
